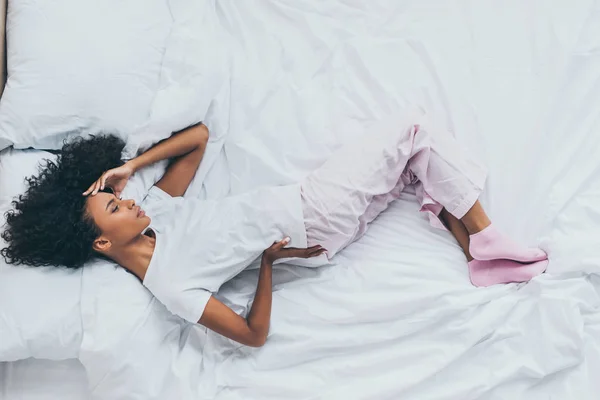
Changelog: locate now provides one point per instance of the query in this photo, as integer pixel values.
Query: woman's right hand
(115, 178)
(278, 250)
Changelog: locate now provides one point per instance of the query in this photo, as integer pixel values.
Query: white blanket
(396, 317)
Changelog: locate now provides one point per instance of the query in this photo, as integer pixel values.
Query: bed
(43, 379)
(395, 317)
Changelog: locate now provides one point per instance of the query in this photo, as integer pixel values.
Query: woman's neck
(136, 256)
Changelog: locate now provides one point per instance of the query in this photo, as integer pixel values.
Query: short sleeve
(189, 304)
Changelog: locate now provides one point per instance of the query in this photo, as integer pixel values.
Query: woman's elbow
(203, 135)
(256, 340)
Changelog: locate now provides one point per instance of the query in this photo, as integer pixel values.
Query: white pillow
(194, 78)
(39, 307)
(133, 348)
(80, 65)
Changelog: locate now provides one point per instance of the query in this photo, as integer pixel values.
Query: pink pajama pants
(360, 180)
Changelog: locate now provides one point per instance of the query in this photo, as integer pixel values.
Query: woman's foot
(491, 244)
(493, 272)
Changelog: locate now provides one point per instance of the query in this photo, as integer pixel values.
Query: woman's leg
(356, 184)
(450, 178)
(489, 272)
(360, 179)
(456, 227)
(487, 243)
(475, 220)
(363, 177)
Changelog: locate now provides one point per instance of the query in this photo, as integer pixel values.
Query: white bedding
(396, 317)
(32, 379)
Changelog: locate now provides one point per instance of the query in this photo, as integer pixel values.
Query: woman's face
(120, 221)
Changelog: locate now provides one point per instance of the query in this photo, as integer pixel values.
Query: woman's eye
(116, 209)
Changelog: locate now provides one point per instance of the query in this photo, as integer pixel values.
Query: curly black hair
(49, 225)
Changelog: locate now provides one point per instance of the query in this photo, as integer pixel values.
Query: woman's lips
(141, 213)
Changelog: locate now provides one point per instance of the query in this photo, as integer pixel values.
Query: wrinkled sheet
(32, 379)
(395, 317)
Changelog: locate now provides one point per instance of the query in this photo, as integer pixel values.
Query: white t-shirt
(201, 244)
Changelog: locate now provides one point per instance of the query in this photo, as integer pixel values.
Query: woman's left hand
(278, 250)
(115, 178)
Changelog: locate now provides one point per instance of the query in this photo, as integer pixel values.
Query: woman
(185, 249)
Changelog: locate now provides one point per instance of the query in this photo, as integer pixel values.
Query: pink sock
(493, 272)
(491, 244)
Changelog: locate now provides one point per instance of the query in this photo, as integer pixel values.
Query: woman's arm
(253, 330)
(186, 149)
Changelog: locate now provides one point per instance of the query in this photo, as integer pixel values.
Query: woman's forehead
(99, 201)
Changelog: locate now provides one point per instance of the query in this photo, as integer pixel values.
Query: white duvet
(396, 317)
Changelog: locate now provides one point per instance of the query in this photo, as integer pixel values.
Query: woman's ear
(102, 245)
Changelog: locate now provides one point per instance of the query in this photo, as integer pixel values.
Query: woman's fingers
(98, 185)
(292, 252)
(281, 244)
(101, 182)
(96, 188)
(106, 176)
(92, 188)
(317, 253)
(103, 179)
(284, 242)
(279, 250)
(89, 190)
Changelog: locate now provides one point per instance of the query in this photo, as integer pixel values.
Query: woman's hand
(278, 250)
(115, 178)
(253, 331)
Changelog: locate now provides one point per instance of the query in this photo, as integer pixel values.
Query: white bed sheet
(32, 379)
(396, 317)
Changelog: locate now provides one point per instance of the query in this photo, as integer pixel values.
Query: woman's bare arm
(253, 330)
(186, 149)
